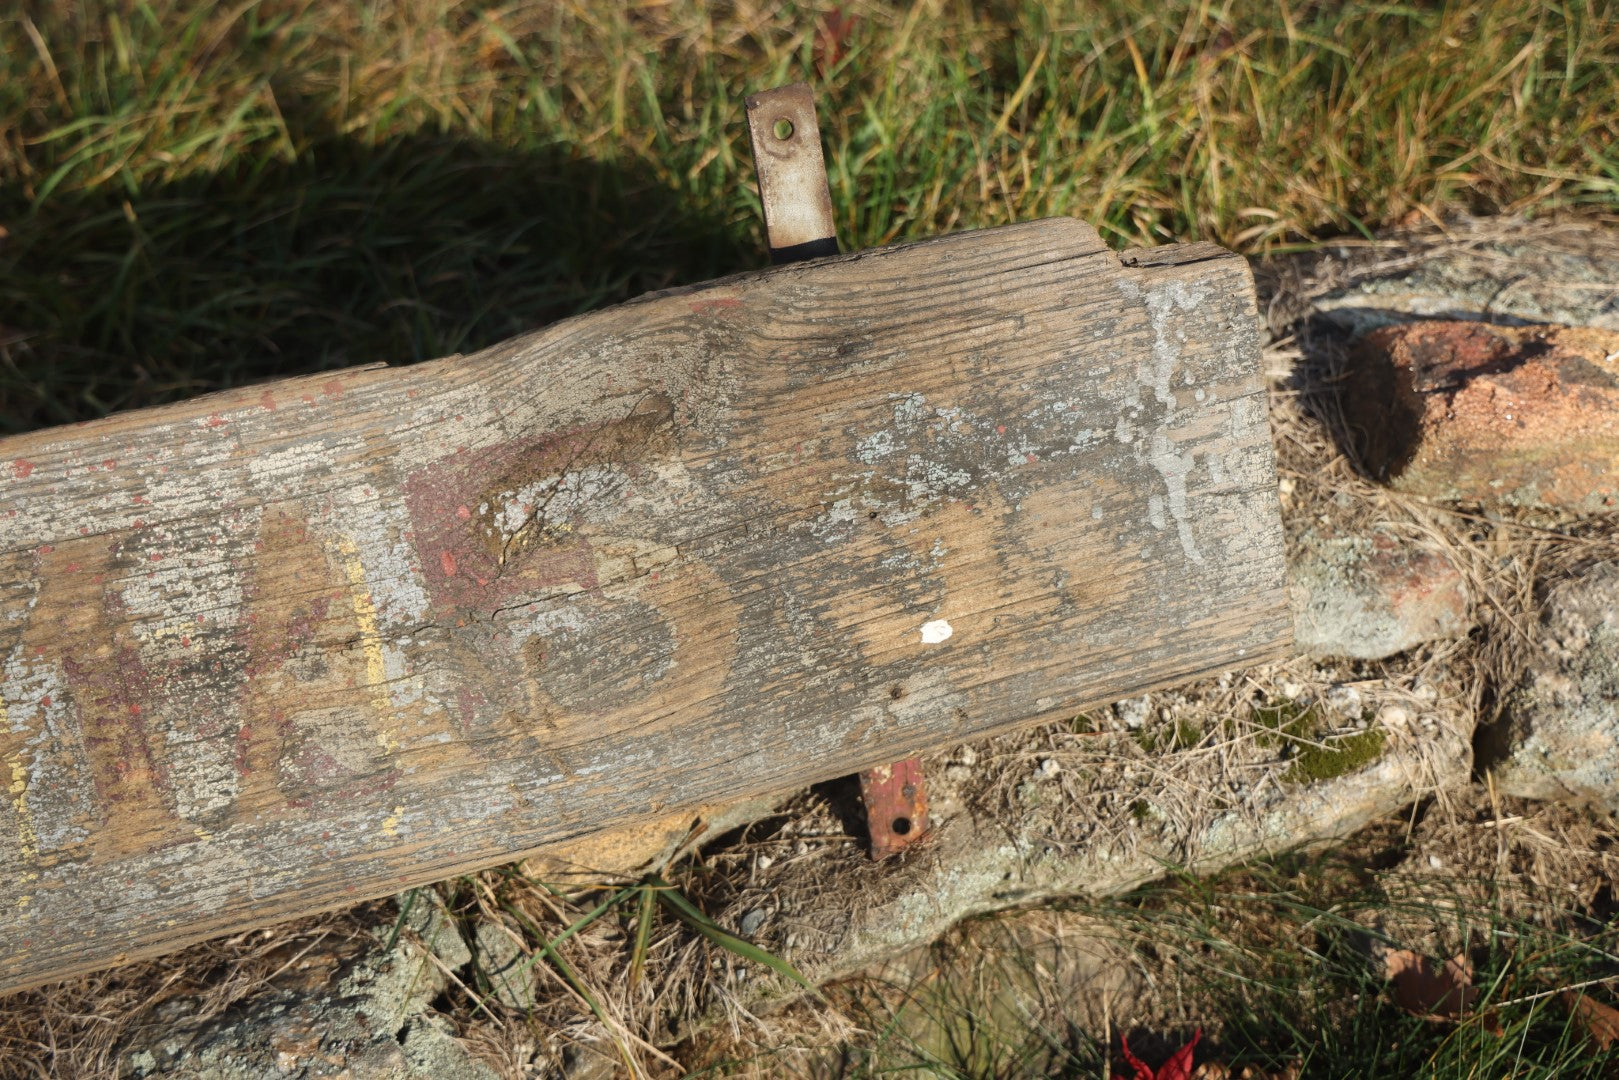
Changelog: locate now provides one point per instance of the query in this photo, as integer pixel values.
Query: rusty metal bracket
(797, 205)
(896, 798)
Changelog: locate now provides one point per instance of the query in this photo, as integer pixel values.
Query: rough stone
(1133, 712)
(1525, 416)
(590, 1061)
(1372, 594)
(1560, 736)
(359, 1021)
(431, 1049)
(422, 911)
(502, 961)
(1497, 270)
(976, 866)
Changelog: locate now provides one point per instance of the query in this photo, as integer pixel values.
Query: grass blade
(688, 913)
(643, 933)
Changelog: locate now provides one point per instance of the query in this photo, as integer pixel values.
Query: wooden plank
(283, 648)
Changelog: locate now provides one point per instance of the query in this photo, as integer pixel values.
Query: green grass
(197, 195)
(1276, 962)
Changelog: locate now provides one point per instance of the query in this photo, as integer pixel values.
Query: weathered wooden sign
(287, 647)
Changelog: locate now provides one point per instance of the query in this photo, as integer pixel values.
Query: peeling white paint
(909, 409)
(1174, 467)
(177, 625)
(936, 631)
(553, 503)
(35, 704)
(378, 529)
(926, 482)
(1162, 300)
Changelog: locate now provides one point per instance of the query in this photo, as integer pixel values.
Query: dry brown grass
(81, 1027)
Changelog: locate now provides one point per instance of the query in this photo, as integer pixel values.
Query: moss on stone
(1297, 727)
(1338, 758)
(1285, 722)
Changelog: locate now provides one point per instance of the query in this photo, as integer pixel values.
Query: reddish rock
(1372, 594)
(1524, 415)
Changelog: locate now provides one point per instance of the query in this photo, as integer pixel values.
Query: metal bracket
(792, 174)
(896, 798)
(798, 225)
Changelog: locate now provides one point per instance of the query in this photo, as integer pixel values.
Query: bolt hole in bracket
(792, 174)
(896, 798)
(797, 205)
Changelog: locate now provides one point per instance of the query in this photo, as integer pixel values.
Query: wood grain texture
(287, 647)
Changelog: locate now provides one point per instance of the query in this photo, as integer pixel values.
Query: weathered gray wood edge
(770, 482)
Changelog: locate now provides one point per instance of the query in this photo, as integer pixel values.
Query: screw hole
(783, 129)
(896, 692)
(901, 826)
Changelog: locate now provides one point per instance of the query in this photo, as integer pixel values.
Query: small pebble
(1049, 768)
(1344, 700)
(1133, 712)
(1394, 716)
(1435, 862)
(752, 920)
(764, 862)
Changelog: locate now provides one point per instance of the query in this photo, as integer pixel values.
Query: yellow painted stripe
(365, 615)
(27, 838)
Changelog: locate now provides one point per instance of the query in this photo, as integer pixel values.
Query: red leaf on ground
(1432, 991)
(1600, 1021)
(832, 38)
(1178, 1067)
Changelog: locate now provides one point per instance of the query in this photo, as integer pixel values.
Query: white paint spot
(937, 631)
